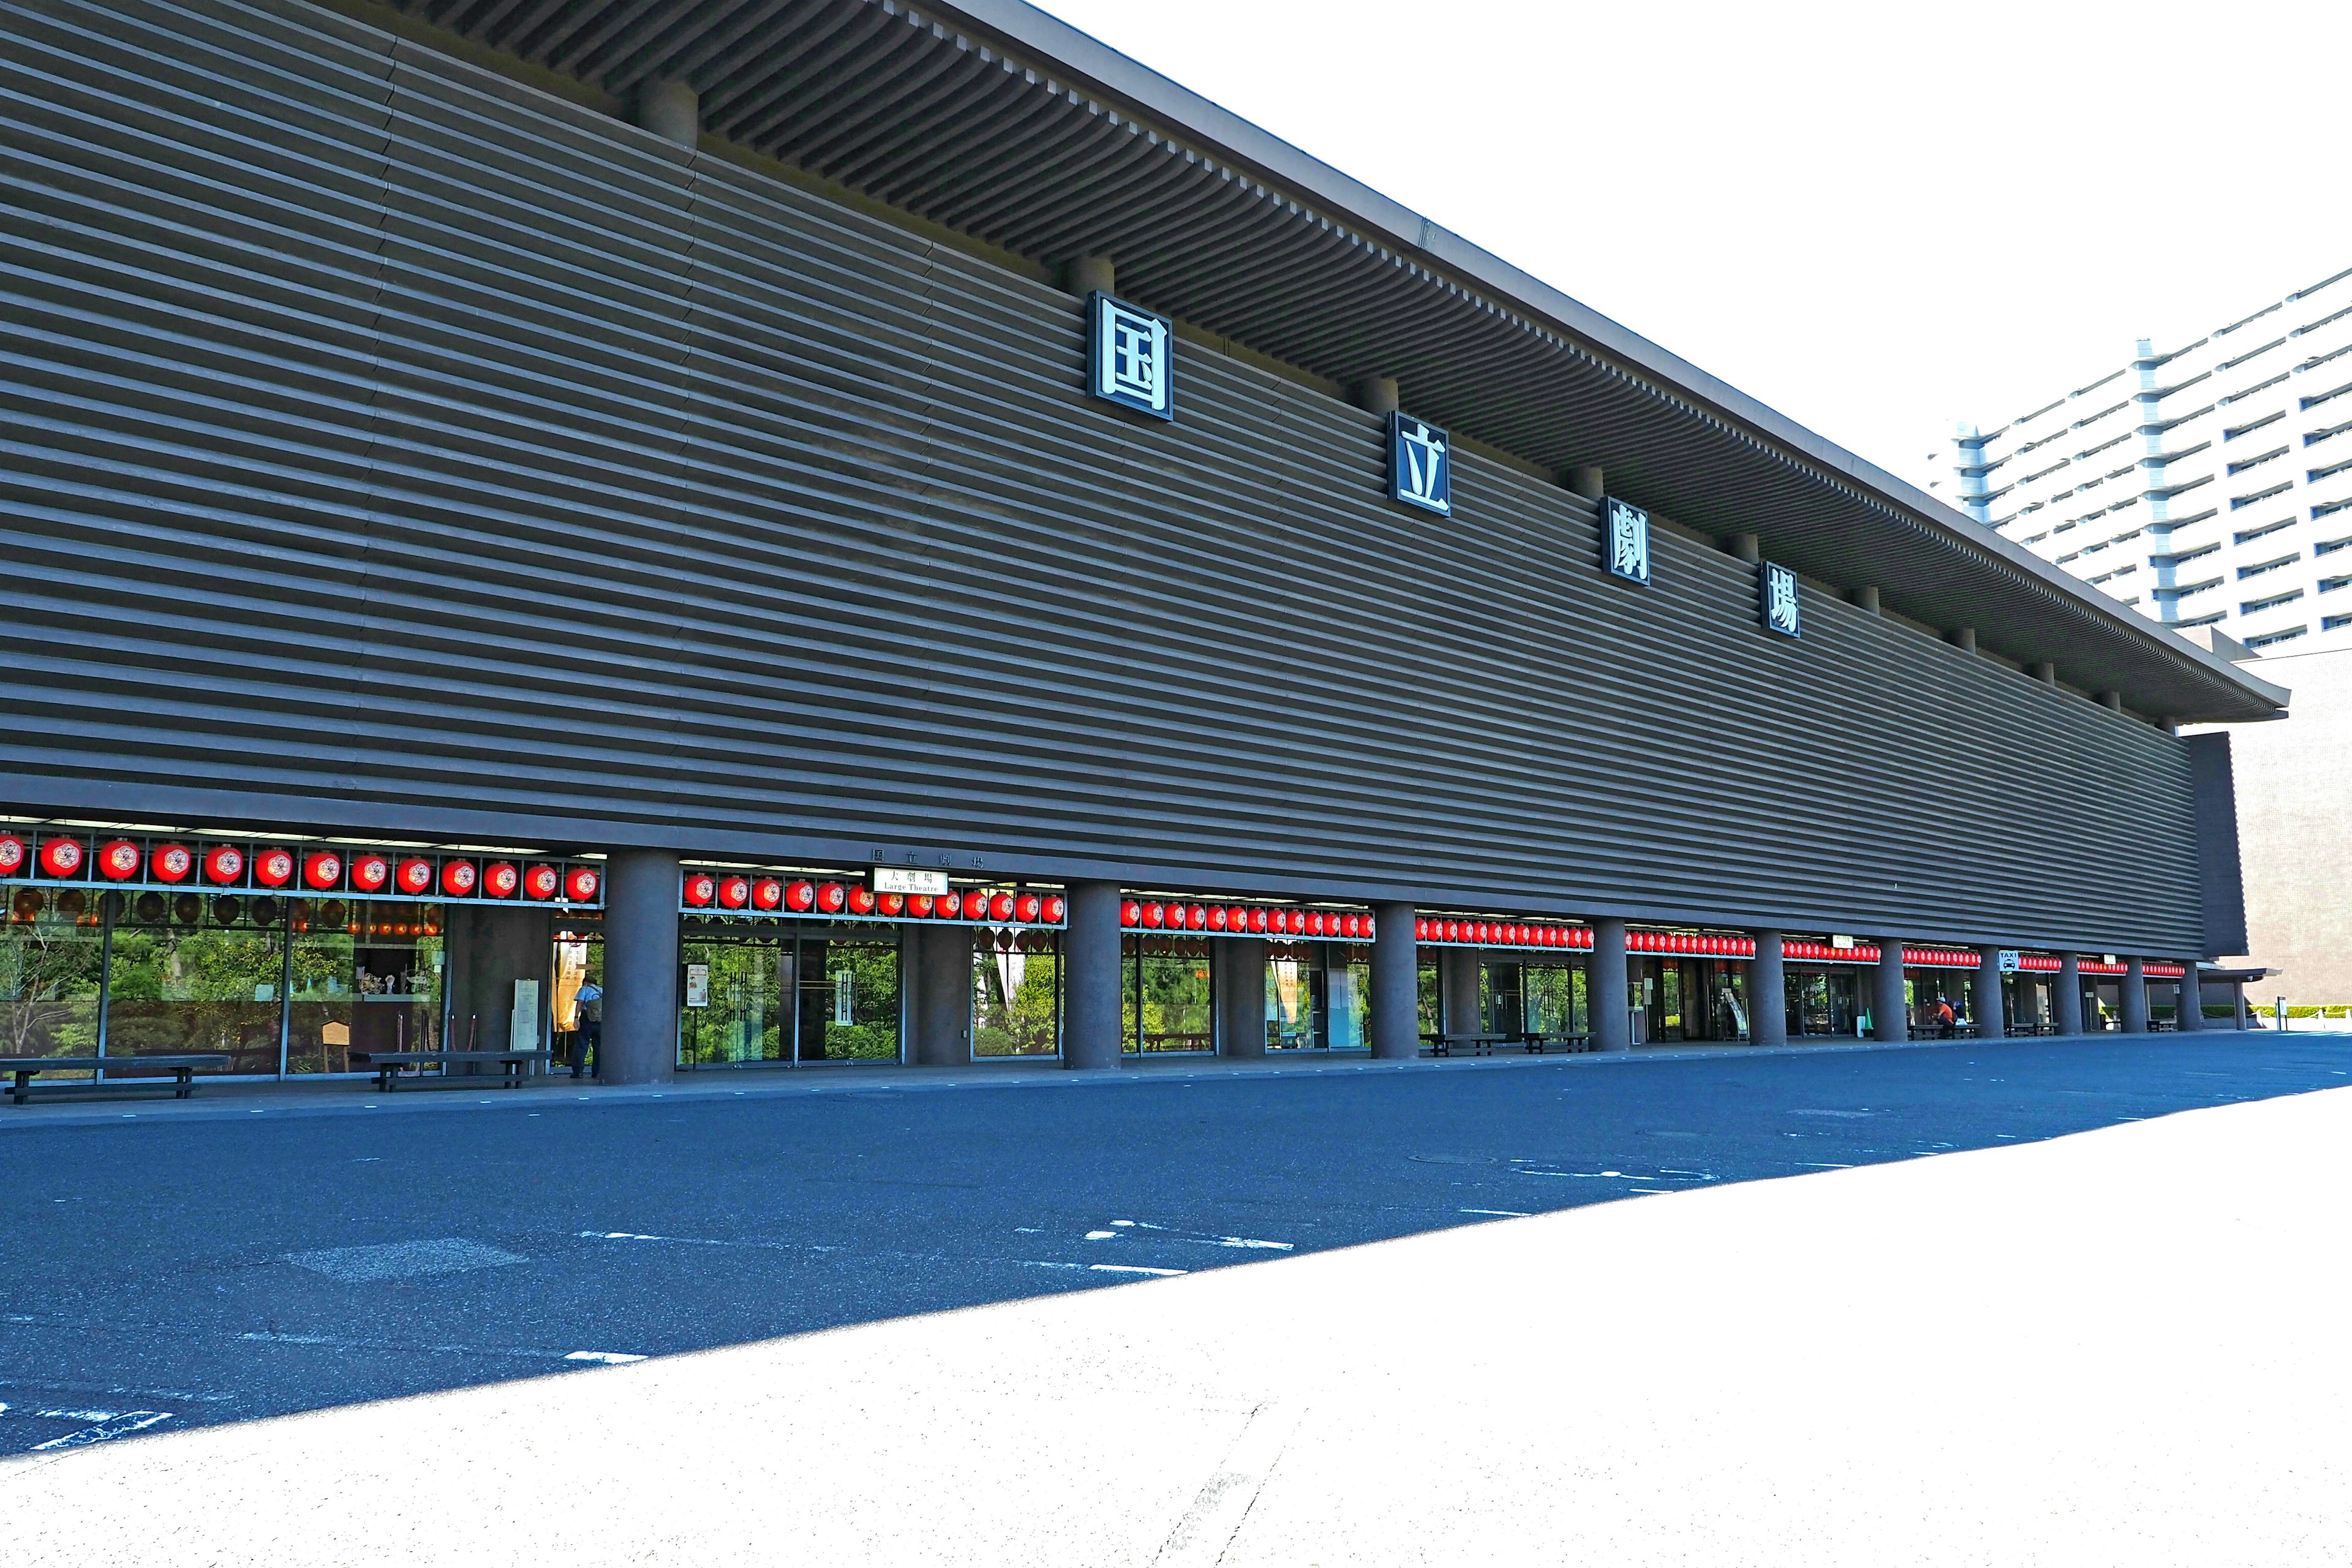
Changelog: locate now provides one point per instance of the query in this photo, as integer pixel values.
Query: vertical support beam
(2135, 996)
(1768, 992)
(2070, 994)
(1585, 480)
(1890, 1014)
(640, 1039)
(2190, 1012)
(1090, 1026)
(1378, 395)
(673, 111)
(1089, 273)
(2238, 991)
(1396, 985)
(1239, 981)
(1985, 998)
(1606, 989)
(1458, 1012)
(938, 965)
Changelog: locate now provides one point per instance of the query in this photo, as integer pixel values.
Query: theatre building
(878, 533)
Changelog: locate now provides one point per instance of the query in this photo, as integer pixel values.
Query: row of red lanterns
(774, 895)
(64, 857)
(1690, 945)
(1501, 933)
(1245, 920)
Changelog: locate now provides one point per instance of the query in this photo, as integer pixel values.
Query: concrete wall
(2294, 831)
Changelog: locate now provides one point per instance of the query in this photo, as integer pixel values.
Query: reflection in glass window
(739, 1013)
(365, 976)
(190, 973)
(1556, 1001)
(1427, 992)
(50, 956)
(1016, 994)
(1347, 996)
(849, 998)
(1167, 994)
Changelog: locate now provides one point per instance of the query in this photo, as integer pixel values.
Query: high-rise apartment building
(2207, 484)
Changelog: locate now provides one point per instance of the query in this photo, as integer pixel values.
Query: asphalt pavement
(170, 1268)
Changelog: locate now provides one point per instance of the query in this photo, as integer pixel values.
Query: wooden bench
(1538, 1043)
(389, 1064)
(182, 1071)
(1471, 1045)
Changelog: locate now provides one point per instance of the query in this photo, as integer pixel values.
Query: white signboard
(894, 879)
(843, 992)
(1841, 942)
(697, 985)
(522, 1027)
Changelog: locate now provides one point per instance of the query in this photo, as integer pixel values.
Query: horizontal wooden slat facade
(394, 448)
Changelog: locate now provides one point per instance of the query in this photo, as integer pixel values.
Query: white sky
(1877, 218)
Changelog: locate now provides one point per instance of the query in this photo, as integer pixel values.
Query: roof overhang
(999, 122)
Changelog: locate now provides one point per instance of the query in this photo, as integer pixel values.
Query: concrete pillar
(2134, 990)
(1964, 639)
(1458, 1009)
(640, 1036)
(1585, 480)
(1090, 983)
(1606, 990)
(2070, 995)
(1867, 599)
(1396, 985)
(1768, 992)
(2046, 672)
(938, 969)
(1747, 547)
(1240, 985)
(1984, 996)
(2112, 700)
(1890, 1014)
(1089, 273)
(1378, 395)
(673, 111)
(491, 949)
(2189, 1013)
(2238, 991)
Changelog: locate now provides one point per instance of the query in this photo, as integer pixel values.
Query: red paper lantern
(61, 857)
(501, 877)
(767, 894)
(1218, 917)
(832, 899)
(1237, 919)
(541, 881)
(1421, 930)
(1154, 916)
(1056, 910)
(1296, 921)
(168, 863)
(321, 869)
(12, 855)
(370, 872)
(1130, 914)
(117, 861)
(734, 892)
(1452, 930)
(863, 899)
(1196, 916)
(701, 887)
(413, 876)
(1315, 923)
(1000, 906)
(582, 884)
(800, 896)
(969, 905)
(891, 905)
(273, 867)
(919, 905)
(1368, 927)
(224, 864)
(1258, 919)
(1027, 907)
(459, 878)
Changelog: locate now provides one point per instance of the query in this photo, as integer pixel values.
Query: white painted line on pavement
(1822, 1165)
(605, 1358)
(1133, 1268)
(1503, 1213)
(115, 1426)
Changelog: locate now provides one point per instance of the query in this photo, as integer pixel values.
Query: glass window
(366, 976)
(190, 973)
(1555, 999)
(1426, 990)
(1505, 1001)
(1347, 996)
(1167, 994)
(1294, 996)
(577, 1013)
(1016, 994)
(51, 954)
(735, 998)
(849, 997)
